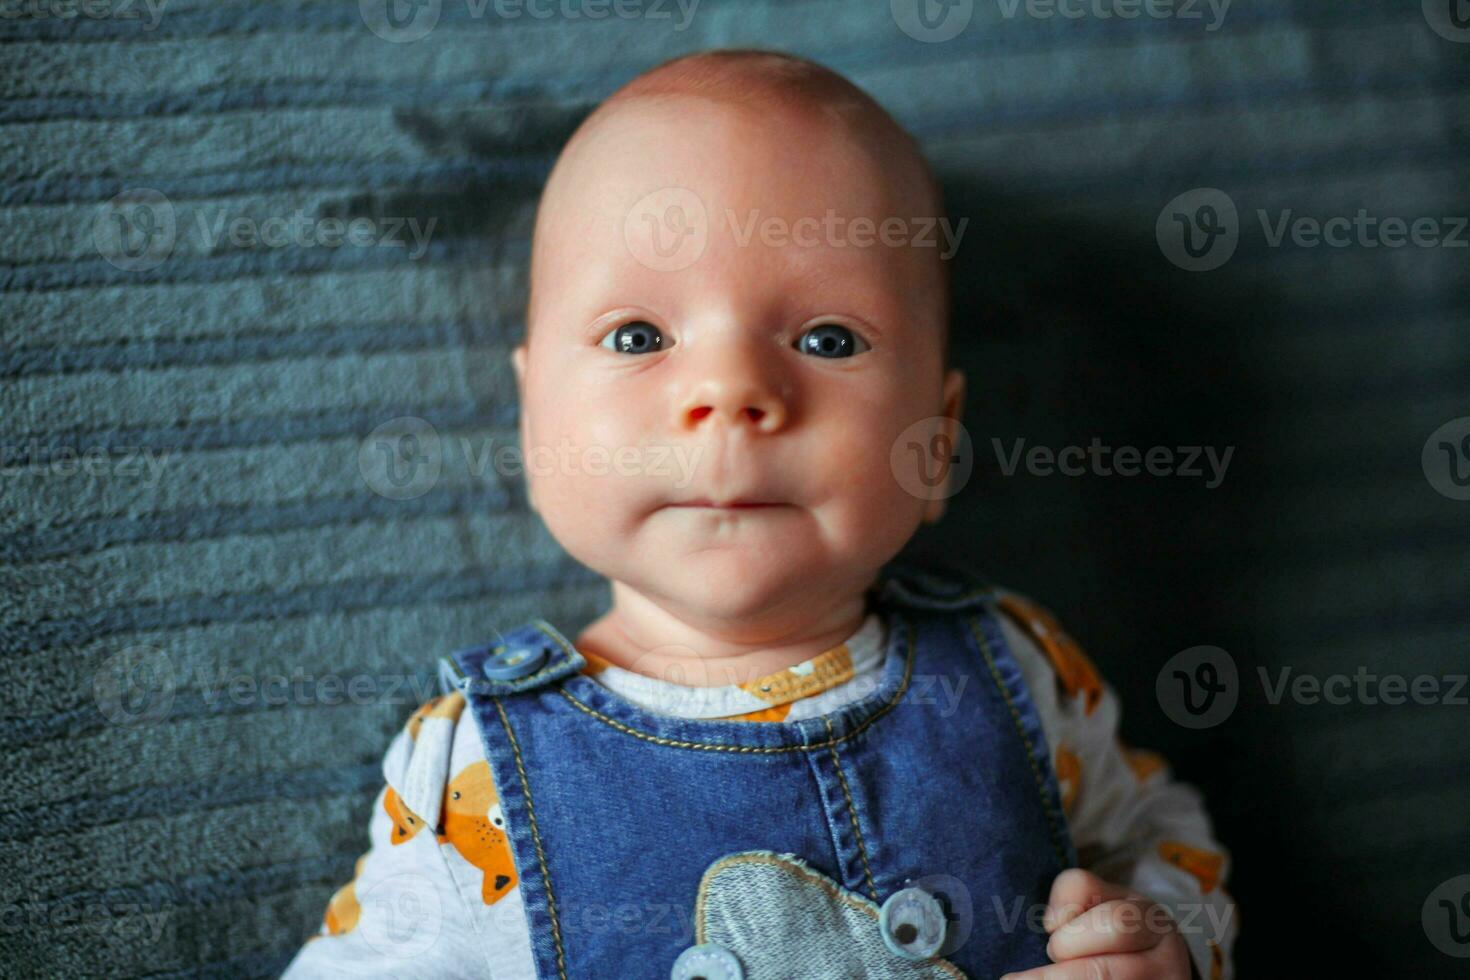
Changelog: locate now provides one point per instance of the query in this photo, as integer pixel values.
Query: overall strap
(525, 658)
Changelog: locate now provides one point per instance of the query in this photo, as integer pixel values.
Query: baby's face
(683, 434)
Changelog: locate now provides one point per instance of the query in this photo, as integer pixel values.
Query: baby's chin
(730, 578)
(714, 591)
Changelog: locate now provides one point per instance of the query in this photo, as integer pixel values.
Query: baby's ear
(954, 409)
(954, 393)
(518, 361)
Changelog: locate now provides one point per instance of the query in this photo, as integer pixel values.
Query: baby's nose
(758, 408)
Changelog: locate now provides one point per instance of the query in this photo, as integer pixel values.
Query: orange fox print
(1069, 776)
(406, 823)
(1143, 763)
(473, 824)
(342, 909)
(1075, 673)
(1204, 865)
(446, 706)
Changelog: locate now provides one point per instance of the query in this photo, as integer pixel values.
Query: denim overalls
(619, 817)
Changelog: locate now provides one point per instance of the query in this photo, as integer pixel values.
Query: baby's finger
(1118, 926)
(1114, 967)
(1075, 891)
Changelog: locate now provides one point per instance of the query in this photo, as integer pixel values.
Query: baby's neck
(639, 635)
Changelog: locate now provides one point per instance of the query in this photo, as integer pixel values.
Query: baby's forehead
(744, 162)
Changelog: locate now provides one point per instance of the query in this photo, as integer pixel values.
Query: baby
(778, 753)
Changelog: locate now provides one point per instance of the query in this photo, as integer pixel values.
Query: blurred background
(220, 601)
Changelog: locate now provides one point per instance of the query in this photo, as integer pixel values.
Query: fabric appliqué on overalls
(778, 915)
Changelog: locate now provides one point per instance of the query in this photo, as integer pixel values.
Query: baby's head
(728, 331)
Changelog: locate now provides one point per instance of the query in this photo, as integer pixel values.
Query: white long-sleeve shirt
(437, 895)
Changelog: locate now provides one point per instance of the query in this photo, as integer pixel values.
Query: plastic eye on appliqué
(707, 961)
(913, 923)
(931, 916)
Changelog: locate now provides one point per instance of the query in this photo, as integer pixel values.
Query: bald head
(802, 106)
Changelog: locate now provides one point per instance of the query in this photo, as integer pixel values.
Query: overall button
(707, 961)
(913, 924)
(513, 662)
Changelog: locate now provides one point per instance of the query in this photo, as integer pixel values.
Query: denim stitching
(515, 747)
(1046, 805)
(758, 750)
(852, 813)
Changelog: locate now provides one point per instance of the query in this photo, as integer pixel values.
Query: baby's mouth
(739, 504)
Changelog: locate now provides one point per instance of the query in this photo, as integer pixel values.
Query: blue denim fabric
(615, 813)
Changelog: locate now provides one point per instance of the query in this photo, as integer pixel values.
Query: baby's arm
(1141, 837)
(403, 915)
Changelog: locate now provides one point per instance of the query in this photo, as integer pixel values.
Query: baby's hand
(1101, 930)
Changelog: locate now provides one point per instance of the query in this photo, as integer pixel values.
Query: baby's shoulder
(1047, 654)
(435, 764)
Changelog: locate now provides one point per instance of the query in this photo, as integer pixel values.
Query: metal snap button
(707, 961)
(513, 662)
(913, 924)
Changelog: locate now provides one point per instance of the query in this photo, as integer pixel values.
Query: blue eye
(637, 337)
(831, 340)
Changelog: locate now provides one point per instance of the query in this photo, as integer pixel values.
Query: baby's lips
(741, 503)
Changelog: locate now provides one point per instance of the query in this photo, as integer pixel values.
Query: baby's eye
(831, 340)
(637, 337)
